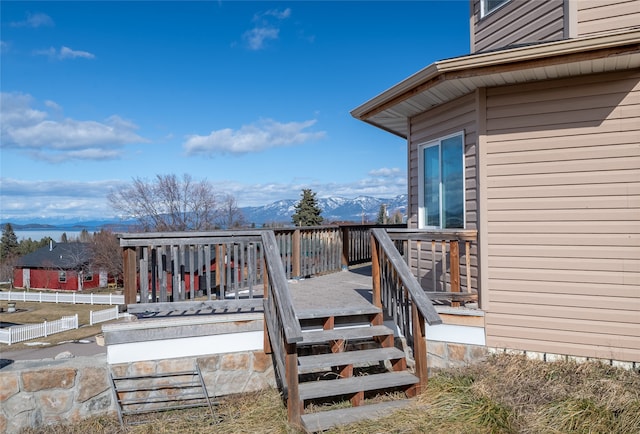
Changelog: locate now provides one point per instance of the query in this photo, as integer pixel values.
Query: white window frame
(421, 211)
(483, 7)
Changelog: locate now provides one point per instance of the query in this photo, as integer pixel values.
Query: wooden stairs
(347, 363)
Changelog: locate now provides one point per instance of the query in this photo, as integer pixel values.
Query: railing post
(294, 405)
(419, 348)
(265, 285)
(129, 260)
(454, 249)
(295, 253)
(345, 246)
(375, 277)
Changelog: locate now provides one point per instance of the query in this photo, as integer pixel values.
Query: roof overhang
(449, 79)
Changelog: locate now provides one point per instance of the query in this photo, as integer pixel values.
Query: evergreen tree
(85, 236)
(307, 210)
(9, 242)
(382, 215)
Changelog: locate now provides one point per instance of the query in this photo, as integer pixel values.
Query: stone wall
(43, 392)
(442, 355)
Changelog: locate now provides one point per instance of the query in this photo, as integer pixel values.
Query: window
(88, 276)
(488, 6)
(62, 276)
(441, 185)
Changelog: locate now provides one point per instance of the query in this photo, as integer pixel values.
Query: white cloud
(252, 138)
(55, 199)
(64, 53)
(60, 198)
(68, 53)
(279, 14)
(34, 21)
(4, 46)
(265, 30)
(52, 105)
(257, 36)
(385, 172)
(24, 127)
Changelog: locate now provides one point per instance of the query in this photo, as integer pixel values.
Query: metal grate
(159, 392)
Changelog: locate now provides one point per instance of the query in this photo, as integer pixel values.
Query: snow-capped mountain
(333, 209)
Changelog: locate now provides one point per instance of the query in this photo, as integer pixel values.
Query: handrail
(445, 270)
(396, 291)
(280, 289)
(417, 294)
(282, 327)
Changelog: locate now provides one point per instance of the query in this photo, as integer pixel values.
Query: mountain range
(334, 209)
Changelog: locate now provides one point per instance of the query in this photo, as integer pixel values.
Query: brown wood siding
(518, 22)
(456, 116)
(563, 216)
(597, 16)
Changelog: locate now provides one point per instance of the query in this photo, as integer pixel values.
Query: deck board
(324, 420)
(341, 293)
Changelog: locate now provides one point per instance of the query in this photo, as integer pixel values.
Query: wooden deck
(335, 292)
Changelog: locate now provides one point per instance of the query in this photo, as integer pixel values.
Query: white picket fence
(62, 297)
(103, 315)
(21, 333)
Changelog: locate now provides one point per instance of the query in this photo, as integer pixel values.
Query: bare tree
(167, 203)
(107, 254)
(75, 257)
(229, 215)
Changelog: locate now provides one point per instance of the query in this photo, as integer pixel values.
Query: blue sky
(252, 96)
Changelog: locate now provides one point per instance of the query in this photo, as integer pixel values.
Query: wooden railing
(441, 261)
(398, 293)
(357, 249)
(226, 265)
(282, 327)
(309, 251)
(179, 266)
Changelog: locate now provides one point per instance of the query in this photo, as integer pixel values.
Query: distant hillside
(334, 209)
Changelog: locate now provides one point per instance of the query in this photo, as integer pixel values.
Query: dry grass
(32, 313)
(506, 394)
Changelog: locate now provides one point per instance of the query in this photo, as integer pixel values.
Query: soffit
(450, 79)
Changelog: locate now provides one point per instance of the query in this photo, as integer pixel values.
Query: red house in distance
(59, 266)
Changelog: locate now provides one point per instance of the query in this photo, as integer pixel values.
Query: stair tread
(307, 363)
(319, 336)
(324, 420)
(344, 386)
(339, 311)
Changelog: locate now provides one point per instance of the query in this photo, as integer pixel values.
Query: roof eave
(451, 69)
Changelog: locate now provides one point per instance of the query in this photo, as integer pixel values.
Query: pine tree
(9, 246)
(382, 215)
(307, 210)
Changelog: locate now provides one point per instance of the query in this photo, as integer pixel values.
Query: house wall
(562, 236)
(517, 22)
(443, 120)
(597, 16)
(48, 279)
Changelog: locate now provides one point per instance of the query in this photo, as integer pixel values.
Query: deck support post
(454, 250)
(419, 349)
(294, 405)
(295, 253)
(265, 291)
(344, 234)
(375, 277)
(129, 262)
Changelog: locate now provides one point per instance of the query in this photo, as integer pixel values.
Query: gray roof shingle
(58, 255)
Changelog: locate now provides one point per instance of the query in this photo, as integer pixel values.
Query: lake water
(37, 235)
